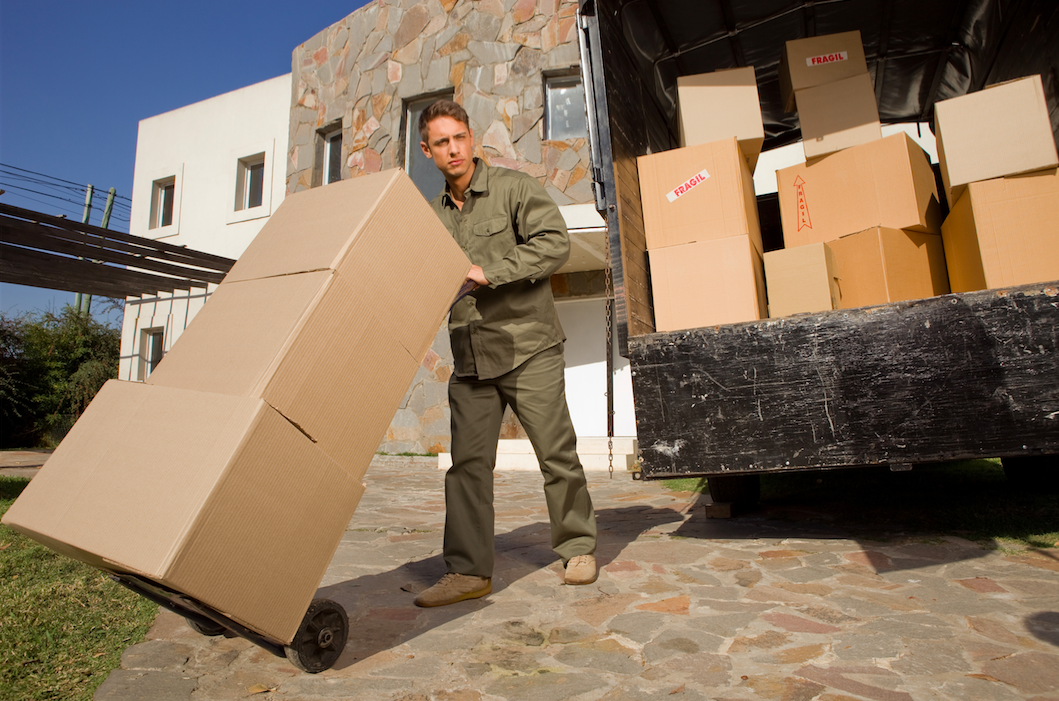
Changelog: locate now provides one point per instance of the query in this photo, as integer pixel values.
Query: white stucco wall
(200, 146)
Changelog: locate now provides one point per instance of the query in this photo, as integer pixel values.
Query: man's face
(449, 143)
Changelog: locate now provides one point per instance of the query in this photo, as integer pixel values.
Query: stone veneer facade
(493, 54)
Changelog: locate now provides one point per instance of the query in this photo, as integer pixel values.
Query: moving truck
(968, 374)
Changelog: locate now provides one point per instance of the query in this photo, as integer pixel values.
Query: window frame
(324, 151)
(244, 157)
(145, 193)
(151, 353)
(557, 79)
(410, 136)
(159, 202)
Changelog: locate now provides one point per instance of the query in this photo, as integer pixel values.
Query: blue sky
(77, 77)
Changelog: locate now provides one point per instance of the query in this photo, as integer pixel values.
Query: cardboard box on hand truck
(232, 475)
(215, 496)
(333, 305)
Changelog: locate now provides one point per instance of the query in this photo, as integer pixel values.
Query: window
(151, 350)
(250, 182)
(564, 102)
(333, 157)
(421, 169)
(163, 196)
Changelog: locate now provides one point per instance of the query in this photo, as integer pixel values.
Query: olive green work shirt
(512, 229)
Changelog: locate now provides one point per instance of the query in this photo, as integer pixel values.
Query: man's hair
(442, 108)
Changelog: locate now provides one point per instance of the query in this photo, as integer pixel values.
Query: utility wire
(60, 189)
(80, 187)
(38, 192)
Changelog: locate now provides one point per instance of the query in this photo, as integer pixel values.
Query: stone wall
(493, 54)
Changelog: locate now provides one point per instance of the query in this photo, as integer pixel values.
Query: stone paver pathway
(756, 607)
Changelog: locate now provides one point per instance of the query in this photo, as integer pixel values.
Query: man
(507, 350)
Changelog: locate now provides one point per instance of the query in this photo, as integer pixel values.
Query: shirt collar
(479, 183)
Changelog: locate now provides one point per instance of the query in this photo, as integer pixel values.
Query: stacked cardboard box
(232, 474)
(703, 236)
(719, 105)
(826, 78)
(700, 212)
(998, 162)
(875, 209)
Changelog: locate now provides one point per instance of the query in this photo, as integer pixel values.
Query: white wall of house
(204, 151)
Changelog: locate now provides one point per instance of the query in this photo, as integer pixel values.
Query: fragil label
(824, 59)
(686, 186)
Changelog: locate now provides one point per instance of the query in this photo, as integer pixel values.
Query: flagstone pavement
(767, 605)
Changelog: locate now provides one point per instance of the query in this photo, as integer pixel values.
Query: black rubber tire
(1032, 472)
(737, 489)
(211, 630)
(321, 637)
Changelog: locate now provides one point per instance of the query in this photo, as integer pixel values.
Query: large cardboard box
(884, 265)
(707, 283)
(1004, 232)
(313, 320)
(1002, 130)
(802, 279)
(818, 60)
(313, 346)
(715, 106)
(838, 115)
(698, 193)
(217, 497)
(888, 182)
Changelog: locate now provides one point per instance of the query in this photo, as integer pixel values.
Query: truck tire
(1037, 472)
(736, 489)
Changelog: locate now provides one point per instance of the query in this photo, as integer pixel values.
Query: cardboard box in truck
(698, 193)
(888, 183)
(718, 105)
(1004, 232)
(707, 283)
(884, 265)
(801, 279)
(215, 496)
(818, 60)
(838, 115)
(1001, 130)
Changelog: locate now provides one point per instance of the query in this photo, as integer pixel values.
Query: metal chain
(609, 291)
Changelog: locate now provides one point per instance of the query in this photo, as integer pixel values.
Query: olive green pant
(536, 393)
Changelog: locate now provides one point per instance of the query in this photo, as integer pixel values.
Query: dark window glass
(255, 175)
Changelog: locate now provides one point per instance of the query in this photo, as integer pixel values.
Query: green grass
(63, 624)
(971, 499)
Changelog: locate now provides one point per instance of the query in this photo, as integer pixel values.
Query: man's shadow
(380, 606)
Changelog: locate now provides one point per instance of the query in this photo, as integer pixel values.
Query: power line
(49, 204)
(79, 186)
(38, 192)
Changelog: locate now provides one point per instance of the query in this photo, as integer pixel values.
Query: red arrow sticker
(803, 208)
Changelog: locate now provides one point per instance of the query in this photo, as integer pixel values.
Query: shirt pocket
(492, 227)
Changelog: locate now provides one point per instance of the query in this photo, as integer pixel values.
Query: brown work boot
(581, 569)
(454, 587)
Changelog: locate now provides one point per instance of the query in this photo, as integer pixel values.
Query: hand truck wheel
(321, 637)
(211, 629)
